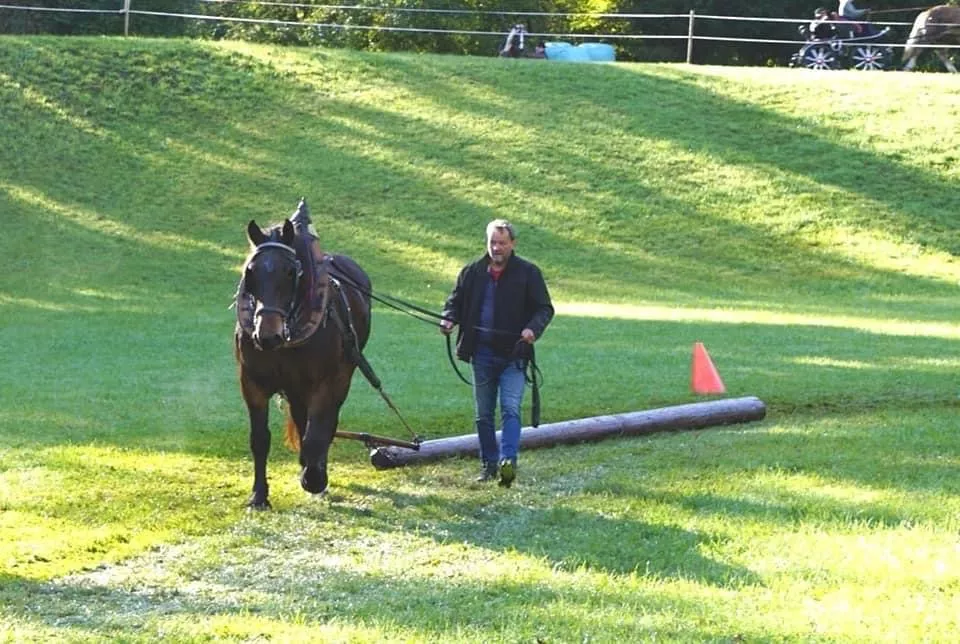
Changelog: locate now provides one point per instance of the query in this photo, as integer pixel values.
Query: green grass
(801, 225)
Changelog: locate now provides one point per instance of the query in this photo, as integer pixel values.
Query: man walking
(502, 306)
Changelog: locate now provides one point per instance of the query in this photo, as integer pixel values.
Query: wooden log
(690, 416)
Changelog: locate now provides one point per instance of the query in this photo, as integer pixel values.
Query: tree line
(399, 20)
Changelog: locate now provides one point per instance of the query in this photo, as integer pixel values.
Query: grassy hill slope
(802, 225)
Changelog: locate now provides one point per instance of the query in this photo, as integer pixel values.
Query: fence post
(126, 17)
(689, 38)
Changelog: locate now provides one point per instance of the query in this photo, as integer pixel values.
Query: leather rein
(244, 302)
(531, 371)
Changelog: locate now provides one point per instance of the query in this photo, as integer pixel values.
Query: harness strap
(531, 373)
(352, 347)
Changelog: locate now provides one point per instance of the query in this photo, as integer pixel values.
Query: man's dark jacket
(521, 301)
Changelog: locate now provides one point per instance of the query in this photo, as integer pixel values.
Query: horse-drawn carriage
(835, 43)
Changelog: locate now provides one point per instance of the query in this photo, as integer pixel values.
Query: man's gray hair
(501, 224)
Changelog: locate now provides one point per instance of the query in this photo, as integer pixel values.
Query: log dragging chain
(419, 313)
(372, 441)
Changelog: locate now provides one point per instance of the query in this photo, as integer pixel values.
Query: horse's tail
(291, 436)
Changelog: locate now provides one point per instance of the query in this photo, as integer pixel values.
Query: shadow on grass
(318, 593)
(740, 133)
(876, 468)
(693, 260)
(569, 538)
(110, 246)
(170, 383)
(398, 195)
(210, 481)
(882, 477)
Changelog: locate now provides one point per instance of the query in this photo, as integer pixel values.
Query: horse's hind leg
(257, 407)
(945, 59)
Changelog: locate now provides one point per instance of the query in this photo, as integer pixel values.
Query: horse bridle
(290, 312)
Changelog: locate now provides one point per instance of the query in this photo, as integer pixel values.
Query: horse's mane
(945, 11)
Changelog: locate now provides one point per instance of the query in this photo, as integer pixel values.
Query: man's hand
(446, 326)
(528, 336)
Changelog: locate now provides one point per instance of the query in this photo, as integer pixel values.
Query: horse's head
(272, 276)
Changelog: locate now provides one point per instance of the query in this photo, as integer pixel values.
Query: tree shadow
(102, 259)
(682, 269)
(319, 592)
(569, 538)
(626, 362)
(725, 128)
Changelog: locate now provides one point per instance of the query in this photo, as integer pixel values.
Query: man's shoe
(508, 472)
(488, 473)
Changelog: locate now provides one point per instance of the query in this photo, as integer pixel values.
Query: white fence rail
(690, 34)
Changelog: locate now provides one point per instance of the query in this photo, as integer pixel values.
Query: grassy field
(802, 225)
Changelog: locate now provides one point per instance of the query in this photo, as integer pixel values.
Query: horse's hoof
(313, 480)
(258, 504)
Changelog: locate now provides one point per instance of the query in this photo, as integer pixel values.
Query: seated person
(849, 11)
(821, 27)
(513, 47)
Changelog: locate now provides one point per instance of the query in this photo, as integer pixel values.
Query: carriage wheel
(870, 57)
(820, 57)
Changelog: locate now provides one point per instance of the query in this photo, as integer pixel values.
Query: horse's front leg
(258, 409)
(321, 427)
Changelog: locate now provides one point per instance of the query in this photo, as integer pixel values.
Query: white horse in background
(938, 25)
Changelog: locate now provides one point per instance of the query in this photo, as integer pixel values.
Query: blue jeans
(493, 373)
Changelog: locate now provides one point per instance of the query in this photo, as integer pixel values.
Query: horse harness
(307, 313)
(325, 299)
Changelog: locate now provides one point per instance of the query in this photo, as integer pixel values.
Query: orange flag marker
(704, 378)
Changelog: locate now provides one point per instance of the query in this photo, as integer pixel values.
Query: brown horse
(938, 25)
(303, 317)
